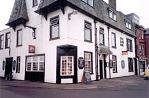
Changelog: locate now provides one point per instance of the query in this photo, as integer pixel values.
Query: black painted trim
(66, 50)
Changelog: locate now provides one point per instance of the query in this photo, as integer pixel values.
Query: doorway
(102, 67)
(66, 64)
(8, 67)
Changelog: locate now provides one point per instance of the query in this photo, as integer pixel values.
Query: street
(125, 91)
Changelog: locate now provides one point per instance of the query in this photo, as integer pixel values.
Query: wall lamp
(34, 31)
(72, 13)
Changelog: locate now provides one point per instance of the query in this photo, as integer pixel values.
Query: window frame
(18, 64)
(121, 41)
(54, 24)
(31, 61)
(129, 46)
(87, 28)
(1, 41)
(112, 15)
(113, 35)
(91, 66)
(114, 57)
(87, 2)
(101, 32)
(7, 40)
(130, 66)
(34, 3)
(19, 39)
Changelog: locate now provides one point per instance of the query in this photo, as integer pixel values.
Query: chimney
(112, 3)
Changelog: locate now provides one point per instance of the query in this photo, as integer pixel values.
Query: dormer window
(112, 15)
(35, 3)
(128, 24)
(89, 2)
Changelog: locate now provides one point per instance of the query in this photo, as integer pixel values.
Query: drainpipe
(96, 51)
(109, 48)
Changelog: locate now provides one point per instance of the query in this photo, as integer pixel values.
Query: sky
(138, 7)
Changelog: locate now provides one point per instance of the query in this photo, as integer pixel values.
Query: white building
(46, 38)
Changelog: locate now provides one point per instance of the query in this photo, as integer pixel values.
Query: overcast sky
(126, 6)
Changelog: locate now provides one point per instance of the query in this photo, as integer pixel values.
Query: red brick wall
(147, 46)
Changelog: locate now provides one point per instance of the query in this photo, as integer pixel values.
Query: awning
(104, 50)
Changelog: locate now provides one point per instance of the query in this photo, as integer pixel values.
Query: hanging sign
(31, 49)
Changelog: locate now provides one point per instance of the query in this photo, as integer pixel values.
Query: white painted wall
(71, 32)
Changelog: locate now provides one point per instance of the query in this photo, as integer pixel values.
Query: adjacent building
(49, 40)
(147, 45)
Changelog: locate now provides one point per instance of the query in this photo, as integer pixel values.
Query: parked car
(146, 73)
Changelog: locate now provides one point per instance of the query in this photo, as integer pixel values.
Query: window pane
(55, 30)
(1, 41)
(114, 61)
(54, 27)
(101, 36)
(19, 37)
(91, 2)
(113, 40)
(88, 62)
(67, 64)
(130, 64)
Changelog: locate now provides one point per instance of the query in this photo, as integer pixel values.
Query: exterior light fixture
(72, 13)
(34, 31)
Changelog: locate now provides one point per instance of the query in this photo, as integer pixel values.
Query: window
(88, 62)
(19, 37)
(35, 63)
(18, 65)
(128, 25)
(35, 3)
(1, 41)
(112, 15)
(121, 41)
(129, 45)
(142, 50)
(113, 40)
(101, 36)
(54, 28)
(114, 63)
(88, 32)
(130, 64)
(7, 40)
(67, 64)
(89, 2)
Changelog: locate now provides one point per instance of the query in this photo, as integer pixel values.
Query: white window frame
(2, 41)
(38, 63)
(69, 66)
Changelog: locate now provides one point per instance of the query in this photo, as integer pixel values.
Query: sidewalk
(106, 83)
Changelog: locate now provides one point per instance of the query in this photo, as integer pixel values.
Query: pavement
(105, 83)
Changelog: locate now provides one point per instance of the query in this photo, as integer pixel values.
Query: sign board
(124, 52)
(31, 49)
(87, 77)
(81, 63)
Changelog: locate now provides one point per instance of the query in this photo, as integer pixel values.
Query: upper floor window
(88, 32)
(19, 37)
(89, 2)
(121, 41)
(35, 3)
(112, 15)
(7, 40)
(113, 40)
(128, 25)
(129, 45)
(2, 41)
(88, 61)
(54, 27)
(101, 36)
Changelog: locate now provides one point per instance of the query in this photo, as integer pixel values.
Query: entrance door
(8, 67)
(66, 64)
(103, 64)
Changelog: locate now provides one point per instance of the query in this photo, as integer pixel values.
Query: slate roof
(19, 13)
(100, 11)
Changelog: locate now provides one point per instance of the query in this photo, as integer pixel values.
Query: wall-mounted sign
(81, 63)
(123, 64)
(124, 52)
(31, 49)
